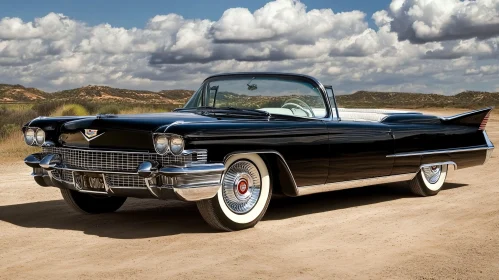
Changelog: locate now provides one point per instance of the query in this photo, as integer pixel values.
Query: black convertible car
(241, 138)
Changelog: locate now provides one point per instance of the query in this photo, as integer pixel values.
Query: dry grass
(141, 110)
(13, 148)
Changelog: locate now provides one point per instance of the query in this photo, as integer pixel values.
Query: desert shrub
(91, 107)
(141, 110)
(47, 108)
(109, 109)
(13, 147)
(71, 110)
(16, 117)
(8, 129)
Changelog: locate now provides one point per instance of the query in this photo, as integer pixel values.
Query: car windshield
(274, 95)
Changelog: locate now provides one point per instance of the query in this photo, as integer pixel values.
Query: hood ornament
(91, 134)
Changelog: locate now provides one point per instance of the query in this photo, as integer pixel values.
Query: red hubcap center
(242, 187)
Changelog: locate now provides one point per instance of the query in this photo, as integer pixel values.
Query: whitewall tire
(244, 196)
(429, 180)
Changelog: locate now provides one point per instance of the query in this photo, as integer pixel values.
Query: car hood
(141, 122)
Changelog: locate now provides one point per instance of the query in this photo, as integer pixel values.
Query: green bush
(74, 110)
(109, 109)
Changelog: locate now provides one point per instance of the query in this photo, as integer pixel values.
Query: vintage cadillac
(243, 137)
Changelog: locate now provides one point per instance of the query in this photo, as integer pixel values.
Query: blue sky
(392, 45)
(130, 14)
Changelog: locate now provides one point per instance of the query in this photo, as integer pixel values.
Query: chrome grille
(63, 175)
(120, 161)
(124, 181)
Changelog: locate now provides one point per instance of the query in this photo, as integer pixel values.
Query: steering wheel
(301, 105)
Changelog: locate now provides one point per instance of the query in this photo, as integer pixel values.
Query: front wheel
(90, 203)
(244, 196)
(429, 180)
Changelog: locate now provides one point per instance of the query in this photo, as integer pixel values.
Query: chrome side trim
(354, 184)
(490, 145)
(466, 113)
(439, 163)
(436, 152)
(93, 171)
(92, 192)
(193, 169)
(487, 140)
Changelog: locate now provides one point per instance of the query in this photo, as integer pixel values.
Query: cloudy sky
(442, 46)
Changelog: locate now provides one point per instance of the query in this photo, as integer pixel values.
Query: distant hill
(466, 99)
(104, 94)
(362, 99)
(18, 93)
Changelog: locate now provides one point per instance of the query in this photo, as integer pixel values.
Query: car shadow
(145, 218)
(287, 207)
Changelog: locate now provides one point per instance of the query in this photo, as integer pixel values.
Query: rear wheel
(244, 196)
(429, 180)
(90, 203)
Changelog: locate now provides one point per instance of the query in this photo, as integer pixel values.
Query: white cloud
(422, 21)
(415, 46)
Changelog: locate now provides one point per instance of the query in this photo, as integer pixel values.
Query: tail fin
(477, 118)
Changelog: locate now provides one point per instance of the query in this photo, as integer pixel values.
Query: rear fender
(472, 118)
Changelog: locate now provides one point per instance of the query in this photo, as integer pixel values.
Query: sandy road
(365, 233)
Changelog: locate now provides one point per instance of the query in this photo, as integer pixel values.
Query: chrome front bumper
(191, 182)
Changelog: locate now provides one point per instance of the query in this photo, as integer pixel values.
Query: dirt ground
(376, 232)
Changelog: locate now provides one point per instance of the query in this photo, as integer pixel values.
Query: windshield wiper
(252, 111)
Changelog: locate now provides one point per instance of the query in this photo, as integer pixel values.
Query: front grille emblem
(91, 134)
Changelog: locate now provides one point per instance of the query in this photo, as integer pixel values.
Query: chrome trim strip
(439, 163)
(92, 192)
(490, 145)
(193, 169)
(185, 152)
(197, 194)
(151, 188)
(465, 114)
(436, 152)
(354, 184)
(487, 140)
(93, 171)
(170, 125)
(313, 79)
(90, 139)
(106, 186)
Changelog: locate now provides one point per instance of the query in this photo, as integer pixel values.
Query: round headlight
(40, 136)
(29, 136)
(161, 144)
(176, 145)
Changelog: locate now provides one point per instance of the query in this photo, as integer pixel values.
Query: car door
(358, 150)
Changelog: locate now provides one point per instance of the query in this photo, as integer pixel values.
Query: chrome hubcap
(241, 186)
(432, 173)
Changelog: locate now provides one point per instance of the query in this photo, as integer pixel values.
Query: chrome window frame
(329, 113)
